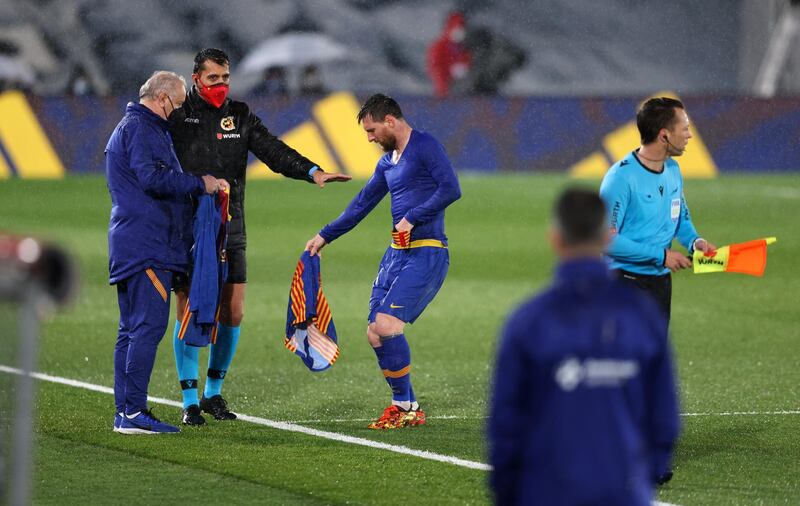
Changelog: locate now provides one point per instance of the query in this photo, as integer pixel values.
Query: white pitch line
(294, 427)
(82, 384)
(288, 426)
(456, 417)
(291, 427)
(748, 413)
(781, 192)
(346, 420)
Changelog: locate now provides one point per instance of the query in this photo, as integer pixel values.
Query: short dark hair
(580, 216)
(655, 114)
(218, 56)
(378, 106)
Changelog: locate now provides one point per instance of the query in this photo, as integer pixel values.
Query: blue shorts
(408, 280)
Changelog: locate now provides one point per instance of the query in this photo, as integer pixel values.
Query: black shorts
(180, 282)
(658, 287)
(237, 271)
(237, 265)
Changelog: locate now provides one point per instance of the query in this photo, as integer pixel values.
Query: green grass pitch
(736, 339)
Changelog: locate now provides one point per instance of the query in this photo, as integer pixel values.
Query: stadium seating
(595, 48)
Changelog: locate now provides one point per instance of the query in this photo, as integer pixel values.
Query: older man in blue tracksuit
(149, 239)
(584, 406)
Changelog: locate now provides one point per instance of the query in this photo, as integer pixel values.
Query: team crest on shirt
(227, 123)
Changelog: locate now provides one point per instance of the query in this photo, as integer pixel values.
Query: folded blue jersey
(310, 332)
(209, 271)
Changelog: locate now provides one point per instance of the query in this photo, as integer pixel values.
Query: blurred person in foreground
(214, 134)
(584, 406)
(417, 174)
(643, 193)
(149, 238)
(449, 58)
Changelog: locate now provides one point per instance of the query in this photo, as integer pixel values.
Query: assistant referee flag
(746, 258)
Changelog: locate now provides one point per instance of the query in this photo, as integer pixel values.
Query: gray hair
(162, 81)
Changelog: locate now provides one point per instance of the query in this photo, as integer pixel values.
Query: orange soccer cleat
(395, 418)
(413, 418)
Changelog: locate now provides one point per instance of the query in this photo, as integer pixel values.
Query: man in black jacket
(212, 135)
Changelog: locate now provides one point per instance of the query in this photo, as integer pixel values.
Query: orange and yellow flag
(746, 258)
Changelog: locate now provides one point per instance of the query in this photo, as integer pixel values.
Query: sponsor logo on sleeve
(615, 216)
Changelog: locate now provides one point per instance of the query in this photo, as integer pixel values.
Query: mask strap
(166, 116)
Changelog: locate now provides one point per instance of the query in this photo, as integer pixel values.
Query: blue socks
(186, 363)
(187, 358)
(220, 359)
(394, 358)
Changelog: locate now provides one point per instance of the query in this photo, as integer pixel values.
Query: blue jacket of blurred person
(151, 197)
(584, 405)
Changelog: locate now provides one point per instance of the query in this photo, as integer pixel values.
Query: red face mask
(214, 94)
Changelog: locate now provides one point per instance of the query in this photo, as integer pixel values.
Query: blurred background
(517, 47)
(508, 85)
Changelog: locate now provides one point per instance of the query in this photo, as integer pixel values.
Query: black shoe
(192, 416)
(664, 478)
(217, 407)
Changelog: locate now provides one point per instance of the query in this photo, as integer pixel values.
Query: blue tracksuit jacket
(584, 406)
(151, 206)
(209, 271)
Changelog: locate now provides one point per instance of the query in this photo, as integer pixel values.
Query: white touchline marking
(274, 424)
(456, 417)
(288, 426)
(293, 427)
(368, 442)
(781, 192)
(346, 420)
(82, 384)
(748, 413)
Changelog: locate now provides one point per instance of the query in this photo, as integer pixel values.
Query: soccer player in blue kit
(643, 193)
(417, 173)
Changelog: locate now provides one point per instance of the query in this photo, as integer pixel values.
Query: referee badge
(227, 123)
(675, 209)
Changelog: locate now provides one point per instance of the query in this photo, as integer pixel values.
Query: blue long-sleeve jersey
(646, 211)
(151, 206)
(207, 273)
(584, 407)
(422, 184)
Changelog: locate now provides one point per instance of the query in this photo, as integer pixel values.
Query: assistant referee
(647, 210)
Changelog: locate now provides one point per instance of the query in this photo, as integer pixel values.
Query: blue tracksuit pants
(143, 319)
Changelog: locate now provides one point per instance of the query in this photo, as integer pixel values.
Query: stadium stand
(591, 48)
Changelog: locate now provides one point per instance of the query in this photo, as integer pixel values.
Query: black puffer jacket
(216, 141)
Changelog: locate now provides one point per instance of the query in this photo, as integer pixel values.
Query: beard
(675, 151)
(388, 145)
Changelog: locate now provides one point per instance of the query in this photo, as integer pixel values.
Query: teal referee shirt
(646, 211)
